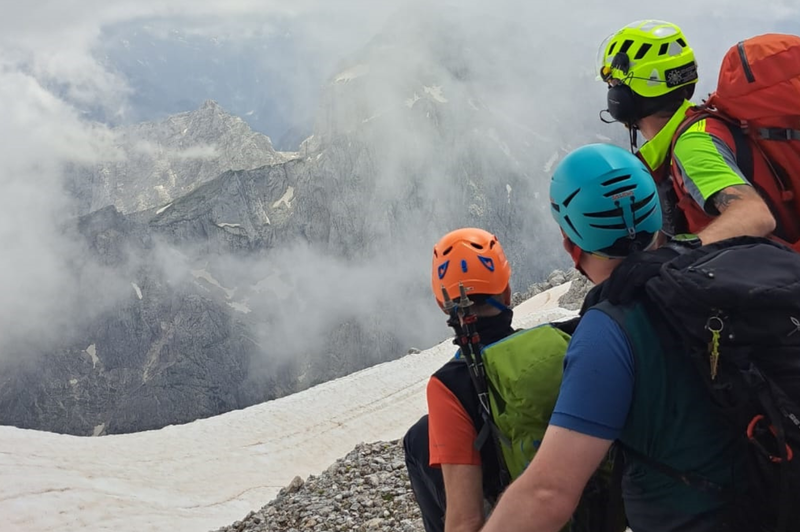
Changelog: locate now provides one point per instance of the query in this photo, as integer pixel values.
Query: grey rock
(572, 300)
(295, 485)
(158, 162)
(309, 508)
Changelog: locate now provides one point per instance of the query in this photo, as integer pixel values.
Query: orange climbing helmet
(470, 256)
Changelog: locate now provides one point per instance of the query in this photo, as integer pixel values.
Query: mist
(526, 69)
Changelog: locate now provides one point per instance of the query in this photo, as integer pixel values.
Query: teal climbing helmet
(605, 200)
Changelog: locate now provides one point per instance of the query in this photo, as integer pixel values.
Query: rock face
(572, 300)
(157, 162)
(367, 490)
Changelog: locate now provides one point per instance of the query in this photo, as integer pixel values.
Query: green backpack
(523, 373)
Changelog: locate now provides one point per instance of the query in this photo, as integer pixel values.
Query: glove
(630, 277)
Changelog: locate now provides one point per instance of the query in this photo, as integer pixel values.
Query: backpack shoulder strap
(567, 326)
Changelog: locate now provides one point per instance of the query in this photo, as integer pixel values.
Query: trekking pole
(463, 320)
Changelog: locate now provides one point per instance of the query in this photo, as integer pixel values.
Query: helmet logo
(464, 266)
(486, 261)
(442, 270)
(681, 75)
(623, 194)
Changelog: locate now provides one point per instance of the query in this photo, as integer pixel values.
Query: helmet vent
(663, 49)
(641, 203)
(624, 48)
(570, 198)
(643, 217)
(681, 42)
(566, 219)
(446, 251)
(492, 243)
(476, 245)
(615, 180)
(616, 226)
(643, 51)
(611, 213)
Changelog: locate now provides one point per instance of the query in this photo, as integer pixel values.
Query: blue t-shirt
(596, 399)
(597, 386)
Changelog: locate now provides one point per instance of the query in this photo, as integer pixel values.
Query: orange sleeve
(451, 433)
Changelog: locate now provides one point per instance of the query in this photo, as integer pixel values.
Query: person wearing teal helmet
(651, 72)
(626, 381)
(606, 203)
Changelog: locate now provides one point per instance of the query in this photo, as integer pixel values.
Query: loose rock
(366, 491)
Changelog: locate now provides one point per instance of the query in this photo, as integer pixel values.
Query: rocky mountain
(289, 270)
(156, 162)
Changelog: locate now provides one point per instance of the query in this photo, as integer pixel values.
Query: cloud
(38, 135)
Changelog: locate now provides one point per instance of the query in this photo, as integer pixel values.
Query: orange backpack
(758, 97)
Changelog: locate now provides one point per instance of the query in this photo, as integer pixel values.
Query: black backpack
(735, 305)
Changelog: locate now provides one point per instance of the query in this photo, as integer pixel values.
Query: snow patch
(92, 352)
(352, 73)
(73, 381)
(224, 225)
(550, 162)
(239, 307)
(508, 189)
(411, 101)
(435, 92)
(203, 274)
(164, 208)
(99, 429)
(373, 117)
(286, 199)
(602, 137)
(137, 289)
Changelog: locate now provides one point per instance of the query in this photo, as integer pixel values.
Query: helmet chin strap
(633, 131)
(634, 136)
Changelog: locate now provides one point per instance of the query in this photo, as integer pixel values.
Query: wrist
(686, 240)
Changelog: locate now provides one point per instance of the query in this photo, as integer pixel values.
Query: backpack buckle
(753, 433)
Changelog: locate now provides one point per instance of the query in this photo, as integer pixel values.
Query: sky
(60, 95)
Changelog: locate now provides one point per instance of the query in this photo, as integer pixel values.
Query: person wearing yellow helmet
(651, 73)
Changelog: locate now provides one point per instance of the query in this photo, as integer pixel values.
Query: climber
(463, 453)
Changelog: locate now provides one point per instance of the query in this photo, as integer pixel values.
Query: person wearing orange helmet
(465, 451)
(442, 462)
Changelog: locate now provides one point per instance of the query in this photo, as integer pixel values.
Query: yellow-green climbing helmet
(650, 56)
